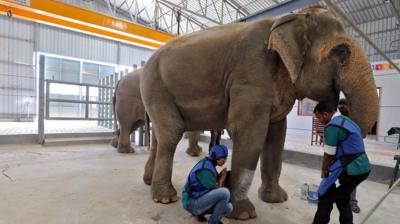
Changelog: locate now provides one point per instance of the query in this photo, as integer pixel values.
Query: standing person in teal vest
(344, 110)
(204, 191)
(344, 160)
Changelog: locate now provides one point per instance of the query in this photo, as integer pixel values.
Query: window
(306, 107)
(62, 69)
(75, 71)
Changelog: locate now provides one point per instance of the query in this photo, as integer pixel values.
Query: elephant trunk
(357, 83)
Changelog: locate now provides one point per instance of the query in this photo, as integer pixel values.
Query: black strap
(347, 159)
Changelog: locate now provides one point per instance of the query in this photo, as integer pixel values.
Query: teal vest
(347, 150)
(193, 186)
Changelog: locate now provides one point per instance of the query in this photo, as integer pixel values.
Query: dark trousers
(341, 196)
(215, 139)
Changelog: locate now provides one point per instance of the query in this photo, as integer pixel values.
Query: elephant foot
(242, 210)
(194, 151)
(147, 179)
(114, 141)
(148, 175)
(163, 193)
(126, 149)
(274, 194)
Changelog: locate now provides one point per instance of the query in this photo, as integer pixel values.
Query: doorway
(373, 133)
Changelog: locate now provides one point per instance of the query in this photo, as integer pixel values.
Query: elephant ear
(287, 38)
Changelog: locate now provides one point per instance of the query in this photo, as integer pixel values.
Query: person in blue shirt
(344, 160)
(204, 191)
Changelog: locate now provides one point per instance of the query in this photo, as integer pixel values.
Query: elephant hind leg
(194, 149)
(126, 119)
(124, 140)
(149, 168)
(169, 127)
(114, 141)
(271, 164)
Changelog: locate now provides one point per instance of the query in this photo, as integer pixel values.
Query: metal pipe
(190, 11)
(340, 13)
(380, 201)
(41, 101)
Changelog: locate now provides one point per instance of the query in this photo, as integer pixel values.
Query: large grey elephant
(129, 113)
(246, 77)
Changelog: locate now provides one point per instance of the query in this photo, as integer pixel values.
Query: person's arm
(325, 164)
(222, 177)
(332, 136)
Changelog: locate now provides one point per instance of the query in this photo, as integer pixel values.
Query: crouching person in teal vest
(344, 160)
(203, 192)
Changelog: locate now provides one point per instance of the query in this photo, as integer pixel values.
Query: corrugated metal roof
(377, 18)
(363, 11)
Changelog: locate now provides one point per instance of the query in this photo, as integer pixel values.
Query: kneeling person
(204, 192)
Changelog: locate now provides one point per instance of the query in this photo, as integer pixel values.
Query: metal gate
(94, 102)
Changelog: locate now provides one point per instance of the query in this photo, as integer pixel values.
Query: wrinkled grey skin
(253, 73)
(130, 114)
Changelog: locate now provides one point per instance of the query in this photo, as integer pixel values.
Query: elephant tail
(147, 129)
(114, 100)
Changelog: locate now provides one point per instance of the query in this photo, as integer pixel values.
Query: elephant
(246, 77)
(129, 111)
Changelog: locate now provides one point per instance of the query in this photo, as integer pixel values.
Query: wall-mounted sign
(378, 67)
(25, 2)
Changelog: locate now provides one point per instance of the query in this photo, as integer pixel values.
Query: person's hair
(342, 101)
(324, 108)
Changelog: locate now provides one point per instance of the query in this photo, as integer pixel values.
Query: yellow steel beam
(67, 16)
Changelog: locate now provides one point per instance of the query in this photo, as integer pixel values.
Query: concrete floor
(95, 184)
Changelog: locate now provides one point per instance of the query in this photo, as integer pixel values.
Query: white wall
(389, 113)
(300, 125)
(17, 77)
(20, 39)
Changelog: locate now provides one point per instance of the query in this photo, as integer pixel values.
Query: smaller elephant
(129, 111)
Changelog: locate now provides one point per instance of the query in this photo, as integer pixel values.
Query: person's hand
(222, 177)
(324, 173)
(223, 171)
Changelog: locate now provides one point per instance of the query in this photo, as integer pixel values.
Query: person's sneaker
(355, 209)
(200, 218)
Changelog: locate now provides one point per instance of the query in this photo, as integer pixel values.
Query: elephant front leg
(148, 169)
(248, 125)
(194, 149)
(271, 164)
